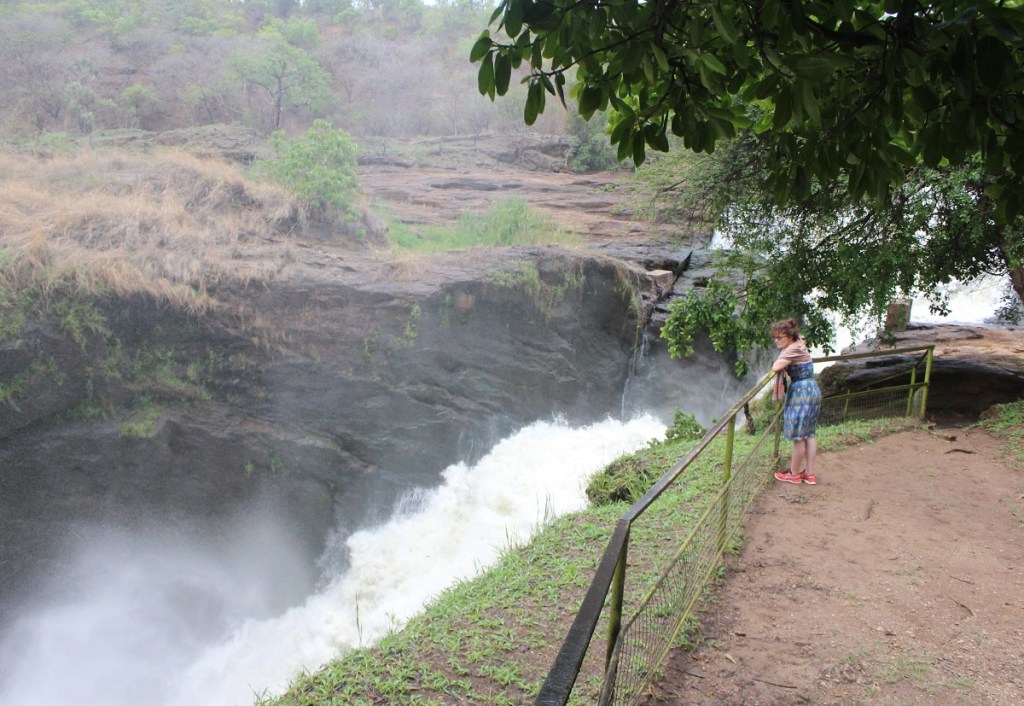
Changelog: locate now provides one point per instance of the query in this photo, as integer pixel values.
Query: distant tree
(284, 75)
(298, 32)
(140, 105)
(35, 68)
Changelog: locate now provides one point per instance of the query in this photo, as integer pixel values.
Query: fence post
(910, 390)
(723, 517)
(927, 378)
(615, 607)
(778, 436)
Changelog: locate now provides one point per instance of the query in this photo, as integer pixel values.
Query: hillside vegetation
(377, 70)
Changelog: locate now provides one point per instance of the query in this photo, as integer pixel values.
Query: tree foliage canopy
(827, 254)
(858, 90)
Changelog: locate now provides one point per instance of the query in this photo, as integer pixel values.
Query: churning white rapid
(157, 621)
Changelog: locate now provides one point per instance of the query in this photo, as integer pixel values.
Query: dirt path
(898, 579)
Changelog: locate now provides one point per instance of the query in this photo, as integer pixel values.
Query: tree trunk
(1014, 266)
(1017, 279)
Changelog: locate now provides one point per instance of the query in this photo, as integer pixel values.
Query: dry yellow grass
(167, 224)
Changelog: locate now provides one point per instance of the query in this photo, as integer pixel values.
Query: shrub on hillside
(319, 168)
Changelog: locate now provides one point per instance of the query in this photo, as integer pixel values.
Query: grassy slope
(167, 224)
(492, 639)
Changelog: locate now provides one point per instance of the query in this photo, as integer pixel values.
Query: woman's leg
(799, 452)
(811, 451)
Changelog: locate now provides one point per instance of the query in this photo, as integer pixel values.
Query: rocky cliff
(323, 394)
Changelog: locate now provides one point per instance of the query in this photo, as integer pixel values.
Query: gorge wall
(323, 394)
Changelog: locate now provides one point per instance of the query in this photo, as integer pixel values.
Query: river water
(163, 619)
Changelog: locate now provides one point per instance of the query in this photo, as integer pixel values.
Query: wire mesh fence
(668, 546)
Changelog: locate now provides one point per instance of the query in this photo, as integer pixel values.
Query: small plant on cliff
(319, 168)
(544, 295)
(685, 427)
(142, 424)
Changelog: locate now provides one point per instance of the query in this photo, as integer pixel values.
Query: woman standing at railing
(803, 401)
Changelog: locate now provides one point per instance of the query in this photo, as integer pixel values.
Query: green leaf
(713, 63)
(783, 110)
(994, 190)
(656, 137)
(538, 12)
(590, 100)
(809, 101)
(901, 154)
(660, 58)
(480, 47)
(993, 58)
(815, 68)
(534, 102)
(560, 88)
(639, 153)
(498, 11)
(624, 150)
(797, 16)
(632, 57)
(962, 59)
(485, 77)
(926, 97)
(724, 23)
(514, 17)
(502, 73)
(766, 87)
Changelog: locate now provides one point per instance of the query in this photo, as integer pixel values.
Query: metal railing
(675, 558)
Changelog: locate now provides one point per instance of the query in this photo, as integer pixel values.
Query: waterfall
(157, 618)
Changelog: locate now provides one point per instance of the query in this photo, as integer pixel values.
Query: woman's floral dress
(803, 402)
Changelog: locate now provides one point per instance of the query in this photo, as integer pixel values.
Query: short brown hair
(786, 327)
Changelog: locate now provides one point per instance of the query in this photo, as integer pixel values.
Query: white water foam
(438, 537)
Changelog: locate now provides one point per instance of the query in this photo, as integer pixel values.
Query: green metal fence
(643, 623)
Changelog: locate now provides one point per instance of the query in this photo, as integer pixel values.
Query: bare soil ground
(898, 579)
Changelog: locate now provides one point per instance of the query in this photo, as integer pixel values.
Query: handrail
(610, 577)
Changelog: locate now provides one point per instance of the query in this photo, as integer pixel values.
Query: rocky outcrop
(974, 367)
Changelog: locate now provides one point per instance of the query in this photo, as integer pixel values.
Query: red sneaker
(788, 477)
(809, 478)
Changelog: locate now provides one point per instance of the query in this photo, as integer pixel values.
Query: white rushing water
(154, 620)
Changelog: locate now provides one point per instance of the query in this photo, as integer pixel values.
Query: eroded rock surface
(974, 367)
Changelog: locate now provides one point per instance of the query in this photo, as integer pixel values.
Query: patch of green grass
(142, 423)
(1007, 422)
(508, 222)
(902, 669)
(545, 293)
(13, 386)
(156, 372)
